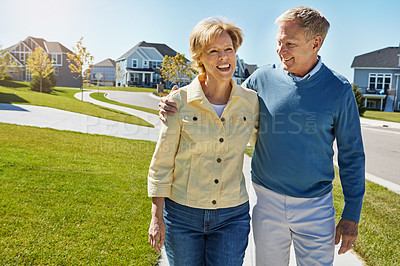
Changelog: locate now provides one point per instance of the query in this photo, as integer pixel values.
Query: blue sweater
(299, 122)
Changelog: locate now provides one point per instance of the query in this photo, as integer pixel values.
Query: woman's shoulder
(250, 94)
(179, 95)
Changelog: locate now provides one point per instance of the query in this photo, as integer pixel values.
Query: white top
(219, 108)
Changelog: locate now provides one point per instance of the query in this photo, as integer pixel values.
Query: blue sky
(112, 27)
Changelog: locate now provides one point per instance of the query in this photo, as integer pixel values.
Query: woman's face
(219, 58)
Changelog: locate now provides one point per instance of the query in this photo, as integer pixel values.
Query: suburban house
(377, 74)
(243, 70)
(57, 52)
(139, 65)
(106, 70)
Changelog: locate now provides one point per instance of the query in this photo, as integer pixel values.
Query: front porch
(142, 78)
(374, 101)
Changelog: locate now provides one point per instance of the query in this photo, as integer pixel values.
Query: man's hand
(167, 107)
(348, 230)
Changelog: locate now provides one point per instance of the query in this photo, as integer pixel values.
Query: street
(382, 149)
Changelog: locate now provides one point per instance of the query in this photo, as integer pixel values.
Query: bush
(6, 77)
(359, 98)
(46, 84)
(52, 79)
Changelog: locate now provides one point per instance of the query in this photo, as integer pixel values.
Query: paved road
(143, 99)
(382, 150)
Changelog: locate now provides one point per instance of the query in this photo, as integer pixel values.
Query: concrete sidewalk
(379, 123)
(151, 118)
(38, 116)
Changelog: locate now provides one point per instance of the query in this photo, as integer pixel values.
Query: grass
(135, 89)
(383, 116)
(378, 242)
(62, 99)
(100, 97)
(73, 199)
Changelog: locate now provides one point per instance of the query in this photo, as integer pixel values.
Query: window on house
(380, 81)
(135, 77)
(371, 104)
(56, 59)
(155, 64)
(146, 64)
(134, 63)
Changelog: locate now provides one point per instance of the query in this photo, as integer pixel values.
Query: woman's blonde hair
(205, 33)
(310, 20)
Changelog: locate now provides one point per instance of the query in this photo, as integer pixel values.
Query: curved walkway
(46, 117)
(151, 118)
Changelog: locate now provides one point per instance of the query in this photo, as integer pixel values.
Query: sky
(112, 27)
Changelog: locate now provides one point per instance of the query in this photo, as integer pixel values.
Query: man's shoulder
(337, 76)
(263, 75)
(266, 69)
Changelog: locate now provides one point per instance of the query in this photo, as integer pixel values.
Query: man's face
(298, 55)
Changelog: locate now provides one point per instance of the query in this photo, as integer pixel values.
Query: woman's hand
(157, 233)
(157, 224)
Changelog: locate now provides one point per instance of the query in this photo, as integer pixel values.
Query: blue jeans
(206, 236)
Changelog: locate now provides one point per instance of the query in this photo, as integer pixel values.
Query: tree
(177, 69)
(6, 64)
(39, 65)
(359, 98)
(119, 74)
(80, 60)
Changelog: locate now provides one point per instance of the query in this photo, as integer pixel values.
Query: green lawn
(61, 98)
(378, 242)
(73, 199)
(100, 97)
(384, 116)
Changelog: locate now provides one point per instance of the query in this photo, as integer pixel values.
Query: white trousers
(279, 220)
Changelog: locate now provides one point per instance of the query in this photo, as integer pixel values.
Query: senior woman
(199, 200)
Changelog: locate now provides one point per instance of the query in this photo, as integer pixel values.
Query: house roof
(163, 49)
(251, 68)
(105, 63)
(49, 47)
(56, 47)
(386, 57)
(39, 41)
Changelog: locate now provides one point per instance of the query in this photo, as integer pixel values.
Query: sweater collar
(310, 74)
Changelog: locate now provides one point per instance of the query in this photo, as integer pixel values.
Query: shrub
(359, 98)
(6, 77)
(53, 79)
(46, 84)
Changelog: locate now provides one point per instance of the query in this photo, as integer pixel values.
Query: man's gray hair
(310, 20)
